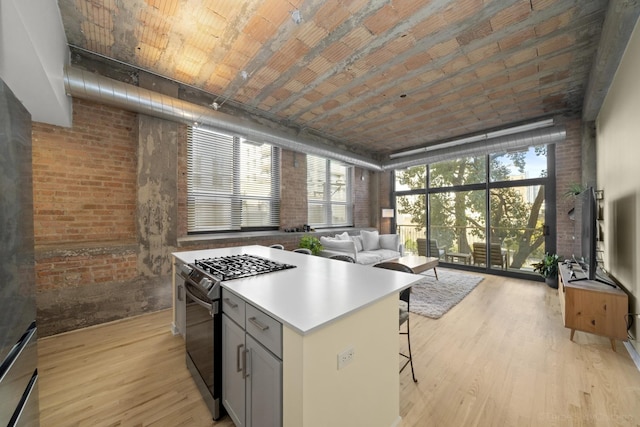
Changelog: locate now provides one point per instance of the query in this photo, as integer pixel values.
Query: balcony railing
(408, 237)
(410, 233)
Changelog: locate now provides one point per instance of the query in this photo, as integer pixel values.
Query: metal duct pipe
(94, 87)
(496, 145)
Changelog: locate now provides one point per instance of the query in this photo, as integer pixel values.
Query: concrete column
(589, 164)
(157, 205)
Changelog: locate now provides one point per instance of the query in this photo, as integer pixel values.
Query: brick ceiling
(376, 76)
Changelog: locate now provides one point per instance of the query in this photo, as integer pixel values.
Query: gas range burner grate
(238, 266)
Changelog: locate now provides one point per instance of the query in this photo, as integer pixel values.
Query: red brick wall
(568, 171)
(84, 177)
(361, 198)
(293, 190)
(384, 195)
(84, 185)
(65, 270)
(84, 189)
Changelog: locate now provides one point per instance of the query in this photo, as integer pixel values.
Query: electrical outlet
(345, 357)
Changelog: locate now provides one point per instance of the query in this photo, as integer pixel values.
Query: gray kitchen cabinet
(251, 364)
(263, 386)
(233, 375)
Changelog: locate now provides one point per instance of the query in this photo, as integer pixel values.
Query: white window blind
(232, 183)
(328, 192)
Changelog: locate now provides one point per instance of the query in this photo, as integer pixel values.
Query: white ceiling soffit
(33, 53)
(494, 145)
(85, 85)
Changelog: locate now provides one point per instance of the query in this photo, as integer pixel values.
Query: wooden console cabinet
(593, 307)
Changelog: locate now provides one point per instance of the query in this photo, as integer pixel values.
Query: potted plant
(312, 243)
(547, 267)
(573, 190)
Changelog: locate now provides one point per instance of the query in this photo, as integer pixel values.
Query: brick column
(293, 189)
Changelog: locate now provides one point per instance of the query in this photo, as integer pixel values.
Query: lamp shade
(387, 213)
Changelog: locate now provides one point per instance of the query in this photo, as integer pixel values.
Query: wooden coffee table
(419, 263)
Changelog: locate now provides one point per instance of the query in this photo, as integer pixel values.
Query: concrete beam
(621, 19)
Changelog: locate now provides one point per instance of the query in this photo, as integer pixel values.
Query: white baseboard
(397, 422)
(633, 353)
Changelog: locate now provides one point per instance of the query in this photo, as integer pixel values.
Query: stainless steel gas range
(203, 335)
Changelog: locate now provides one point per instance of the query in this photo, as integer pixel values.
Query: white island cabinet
(325, 307)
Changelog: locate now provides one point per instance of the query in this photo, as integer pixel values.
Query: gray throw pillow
(343, 236)
(358, 241)
(389, 241)
(370, 240)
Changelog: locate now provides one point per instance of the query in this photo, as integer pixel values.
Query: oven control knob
(206, 283)
(185, 270)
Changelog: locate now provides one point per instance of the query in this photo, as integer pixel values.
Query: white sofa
(367, 248)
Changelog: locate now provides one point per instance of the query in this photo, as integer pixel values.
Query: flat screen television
(588, 231)
(587, 215)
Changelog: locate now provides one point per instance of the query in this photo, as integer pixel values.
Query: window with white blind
(328, 193)
(232, 183)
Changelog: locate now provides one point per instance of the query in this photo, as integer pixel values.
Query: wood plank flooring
(126, 373)
(499, 358)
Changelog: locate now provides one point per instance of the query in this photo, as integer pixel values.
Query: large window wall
(487, 212)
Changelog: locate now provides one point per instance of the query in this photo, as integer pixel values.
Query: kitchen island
(326, 307)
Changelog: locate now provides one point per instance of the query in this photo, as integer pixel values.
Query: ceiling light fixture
(245, 75)
(474, 138)
(296, 16)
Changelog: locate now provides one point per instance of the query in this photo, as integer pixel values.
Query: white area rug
(433, 298)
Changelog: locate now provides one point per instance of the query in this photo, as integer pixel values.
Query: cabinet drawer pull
(238, 366)
(258, 324)
(230, 303)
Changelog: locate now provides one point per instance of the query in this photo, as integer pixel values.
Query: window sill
(251, 236)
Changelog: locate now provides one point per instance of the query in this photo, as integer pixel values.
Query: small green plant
(312, 243)
(548, 265)
(573, 190)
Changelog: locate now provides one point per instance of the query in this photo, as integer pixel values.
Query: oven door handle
(198, 300)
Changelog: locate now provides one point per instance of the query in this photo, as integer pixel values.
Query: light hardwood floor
(499, 358)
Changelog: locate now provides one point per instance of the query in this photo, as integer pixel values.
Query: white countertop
(318, 291)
